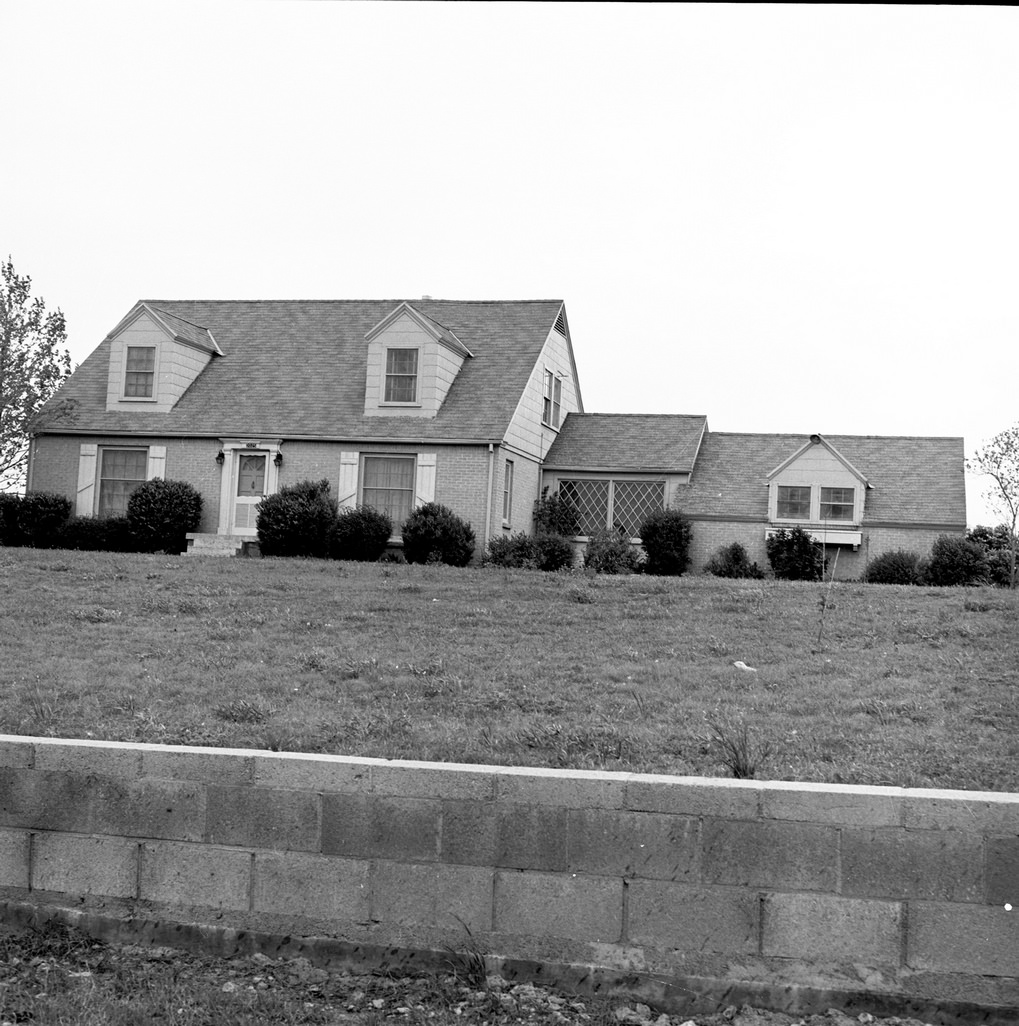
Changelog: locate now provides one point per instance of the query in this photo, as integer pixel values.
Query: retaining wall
(897, 895)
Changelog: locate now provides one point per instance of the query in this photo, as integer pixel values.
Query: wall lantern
(220, 457)
(278, 459)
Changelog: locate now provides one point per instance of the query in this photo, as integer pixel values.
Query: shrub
(955, 561)
(795, 556)
(10, 529)
(552, 552)
(34, 519)
(97, 534)
(162, 512)
(997, 545)
(297, 520)
(555, 514)
(361, 534)
(610, 552)
(732, 561)
(665, 535)
(898, 567)
(435, 534)
(512, 551)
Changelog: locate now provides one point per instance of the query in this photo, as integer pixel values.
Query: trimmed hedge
(665, 535)
(435, 534)
(360, 533)
(33, 519)
(298, 520)
(897, 567)
(161, 513)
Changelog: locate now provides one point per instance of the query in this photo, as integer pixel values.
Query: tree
(33, 365)
(999, 460)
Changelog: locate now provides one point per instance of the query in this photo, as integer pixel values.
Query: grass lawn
(906, 686)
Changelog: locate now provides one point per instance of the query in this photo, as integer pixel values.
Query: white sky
(789, 218)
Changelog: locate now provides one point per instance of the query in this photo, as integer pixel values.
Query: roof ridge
(417, 299)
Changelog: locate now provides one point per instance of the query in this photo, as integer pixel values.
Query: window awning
(824, 537)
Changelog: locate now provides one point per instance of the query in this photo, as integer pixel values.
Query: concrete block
(363, 826)
(322, 773)
(195, 874)
(98, 758)
(694, 796)
(75, 864)
(832, 929)
(704, 919)
(530, 837)
(259, 817)
(207, 766)
(949, 938)
(774, 854)
(1002, 871)
(928, 864)
(171, 809)
(584, 908)
(434, 780)
(976, 812)
(45, 800)
(468, 833)
(14, 847)
(610, 842)
(16, 752)
(571, 789)
(834, 804)
(317, 886)
(432, 895)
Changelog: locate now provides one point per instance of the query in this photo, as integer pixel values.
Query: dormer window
(837, 503)
(140, 372)
(552, 399)
(401, 376)
(793, 503)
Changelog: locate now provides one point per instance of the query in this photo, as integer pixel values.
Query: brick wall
(899, 894)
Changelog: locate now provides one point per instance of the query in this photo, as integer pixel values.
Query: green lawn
(907, 686)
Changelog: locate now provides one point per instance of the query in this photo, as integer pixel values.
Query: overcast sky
(788, 218)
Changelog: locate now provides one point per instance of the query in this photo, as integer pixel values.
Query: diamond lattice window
(620, 504)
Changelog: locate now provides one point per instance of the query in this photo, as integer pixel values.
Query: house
(475, 405)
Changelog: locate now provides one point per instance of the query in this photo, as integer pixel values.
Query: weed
(97, 614)
(243, 710)
(730, 739)
(468, 965)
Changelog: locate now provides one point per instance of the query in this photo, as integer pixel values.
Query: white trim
(156, 466)
(88, 461)
(228, 478)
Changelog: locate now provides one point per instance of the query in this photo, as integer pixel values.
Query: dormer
(154, 358)
(412, 361)
(818, 489)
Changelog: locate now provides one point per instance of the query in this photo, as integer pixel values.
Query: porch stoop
(221, 545)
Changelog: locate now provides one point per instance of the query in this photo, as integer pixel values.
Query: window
(140, 372)
(507, 493)
(401, 375)
(622, 504)
(552, 399)
(837, 503)
(388, 485)
(251, 475)
(793, 503)
(121, 471)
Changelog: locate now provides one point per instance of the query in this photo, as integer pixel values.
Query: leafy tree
(33, 365)
(999, 460)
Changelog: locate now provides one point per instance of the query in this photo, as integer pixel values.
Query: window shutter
(346, 495)
(85, 500)
(424, 488)
(157, 462)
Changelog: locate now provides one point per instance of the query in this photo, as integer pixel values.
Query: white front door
(250, 476)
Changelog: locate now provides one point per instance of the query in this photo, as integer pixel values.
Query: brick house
(475, 405)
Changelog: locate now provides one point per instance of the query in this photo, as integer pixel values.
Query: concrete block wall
(900, 893)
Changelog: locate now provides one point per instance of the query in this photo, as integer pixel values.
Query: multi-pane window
(120, 472)
(837, 503)
(387, 484)
(139, 372)
(552, 399)
(251, 475)
(620, 504)
(793, 502)
(401, 375)
(507, 492)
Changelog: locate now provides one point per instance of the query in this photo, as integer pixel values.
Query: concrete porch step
(221, 545)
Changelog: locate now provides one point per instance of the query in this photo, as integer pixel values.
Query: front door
(250, 475)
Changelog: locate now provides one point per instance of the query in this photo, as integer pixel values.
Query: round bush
(956, 561)
(665, 535)
(297, 520)
(552, 552)
(162, 512)
(512, 551)
(732, 561)
(898, 567)
(795, 556)
(435, 534)
(361, 533)
(610, 552)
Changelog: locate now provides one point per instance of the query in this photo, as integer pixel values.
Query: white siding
(816, 468)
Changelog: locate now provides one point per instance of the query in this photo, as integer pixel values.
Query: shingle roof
(193, 333)
(913, 480)
(665, 443)
(297, 369)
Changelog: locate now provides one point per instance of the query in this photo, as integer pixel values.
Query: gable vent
(560, 323)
